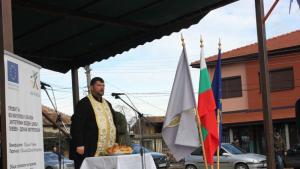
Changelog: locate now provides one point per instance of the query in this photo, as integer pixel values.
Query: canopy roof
(64, 34)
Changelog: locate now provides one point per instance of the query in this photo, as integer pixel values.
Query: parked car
(161, 160)
(292, 159)
(51, 161)
(231, 157)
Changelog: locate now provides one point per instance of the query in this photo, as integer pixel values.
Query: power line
(245, 87)
(137, 98)
(62, 89)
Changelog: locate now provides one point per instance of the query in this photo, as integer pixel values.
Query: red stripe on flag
(206, 110)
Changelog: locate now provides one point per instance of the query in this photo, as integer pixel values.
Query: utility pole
(88, 77)
(265, 82)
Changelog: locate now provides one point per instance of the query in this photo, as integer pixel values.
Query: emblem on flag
(13, 72)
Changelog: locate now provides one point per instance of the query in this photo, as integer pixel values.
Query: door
(196, 158)
(224, 160)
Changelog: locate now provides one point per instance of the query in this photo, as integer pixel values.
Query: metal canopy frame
(129, 28)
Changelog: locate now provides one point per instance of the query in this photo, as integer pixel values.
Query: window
(158, 127)
(282, 79)
(197, 152)
(233, 149)
(149, 144)
(231, 87)
(221, 152)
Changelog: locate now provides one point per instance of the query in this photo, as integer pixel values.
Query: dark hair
(95, 79)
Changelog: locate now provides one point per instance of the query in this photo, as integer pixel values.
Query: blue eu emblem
(13, 72)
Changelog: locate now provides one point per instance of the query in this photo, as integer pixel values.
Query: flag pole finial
(201, 42)
(182, 40)
(220, 44)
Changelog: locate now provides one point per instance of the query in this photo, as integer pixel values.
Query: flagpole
(201, 138)
(199, 123)
(218, 151)
(218, 122)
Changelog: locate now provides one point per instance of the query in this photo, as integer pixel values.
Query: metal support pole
(6, 43)
(6, 26)
(88, 77)
(287, 136)
(75, 87)
(271, 10)
(230, 135)
(265, 82)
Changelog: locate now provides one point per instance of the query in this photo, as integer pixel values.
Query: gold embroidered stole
(105, 123)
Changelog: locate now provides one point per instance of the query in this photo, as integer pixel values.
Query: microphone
(44, 84)
(117, 94)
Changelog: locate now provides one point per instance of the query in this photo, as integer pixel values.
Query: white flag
(180, 131)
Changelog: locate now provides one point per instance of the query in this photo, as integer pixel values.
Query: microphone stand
(141, 117)
(58, 123)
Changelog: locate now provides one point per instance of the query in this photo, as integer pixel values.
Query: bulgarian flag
(206, 111)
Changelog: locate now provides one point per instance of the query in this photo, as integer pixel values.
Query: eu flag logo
(13, 72)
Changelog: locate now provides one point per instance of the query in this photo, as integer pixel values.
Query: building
(152, 127)
(50, 130)
(242, 103)
(50, 117)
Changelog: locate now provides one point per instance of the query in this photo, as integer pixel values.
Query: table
(132, 161)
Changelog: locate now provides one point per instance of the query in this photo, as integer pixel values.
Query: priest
(95, 125)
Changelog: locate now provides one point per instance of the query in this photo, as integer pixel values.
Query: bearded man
(95, 125)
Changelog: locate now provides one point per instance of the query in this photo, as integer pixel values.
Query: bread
(119, 149)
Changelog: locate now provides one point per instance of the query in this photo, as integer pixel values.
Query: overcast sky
(147, 72)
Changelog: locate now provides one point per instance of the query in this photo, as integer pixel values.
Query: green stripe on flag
(204, 133)
(204, 83)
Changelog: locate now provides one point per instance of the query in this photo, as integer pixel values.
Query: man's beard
(97, 95)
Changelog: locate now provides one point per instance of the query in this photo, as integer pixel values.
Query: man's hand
(80, 150)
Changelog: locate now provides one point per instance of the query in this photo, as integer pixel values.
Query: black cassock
(84, 130)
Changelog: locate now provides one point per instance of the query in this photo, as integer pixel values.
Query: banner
(24, 125)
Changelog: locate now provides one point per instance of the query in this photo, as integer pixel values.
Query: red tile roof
(279, 42)
(52, 115)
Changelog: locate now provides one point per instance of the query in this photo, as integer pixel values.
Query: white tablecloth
(118, 162)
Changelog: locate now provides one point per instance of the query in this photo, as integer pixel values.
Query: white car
(231, 157)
